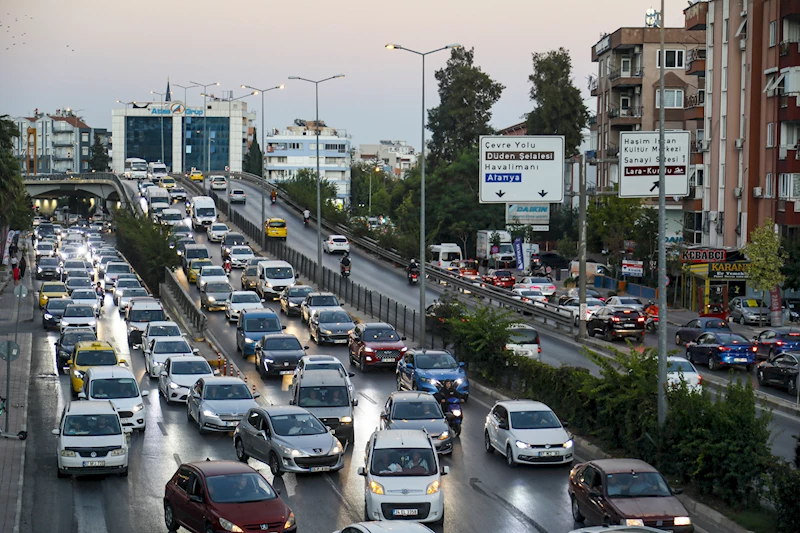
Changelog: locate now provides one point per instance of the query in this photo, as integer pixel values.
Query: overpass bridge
(104, 187)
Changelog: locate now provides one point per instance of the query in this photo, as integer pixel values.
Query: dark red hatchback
(500, 278)
(217, 496)
(376, 345)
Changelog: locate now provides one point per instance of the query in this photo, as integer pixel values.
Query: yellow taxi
(51, 289)
(167, 182)
(196, 175)
(88, 354)
(194, 268)
(275, 228)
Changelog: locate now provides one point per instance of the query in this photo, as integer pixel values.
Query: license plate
(94, 463)
(231, 424)
(739, 359)
(340, 341)
(284, 372)
(548, 454)
(405, 512)
(388, 360)
(320, 469)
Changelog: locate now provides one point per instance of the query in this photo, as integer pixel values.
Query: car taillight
(540, 349)
(699, 379)
(779, 343)
(640, 319)
(724, 349)
(753, 348)
(615, 318)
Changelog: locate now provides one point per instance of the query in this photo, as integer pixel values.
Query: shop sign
(704, 256)
(729, 270)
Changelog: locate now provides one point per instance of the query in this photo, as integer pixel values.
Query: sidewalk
(12, 451)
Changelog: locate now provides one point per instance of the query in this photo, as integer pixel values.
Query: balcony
(625, 78)
(626, 116)
(789, 54)
(789, 109)
(695, 16)
(60, 142)
(788, 160)
(696, 62)
(592, 122)
(790, 7)
(694, 106)
(593, 86)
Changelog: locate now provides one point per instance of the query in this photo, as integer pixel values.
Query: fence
(176, 296)
(630, 289)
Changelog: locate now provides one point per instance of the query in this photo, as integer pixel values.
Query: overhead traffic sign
(524, 169)
(639, 164)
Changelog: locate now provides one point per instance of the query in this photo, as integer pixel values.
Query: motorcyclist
(306, 216)
(412, 266)
(445, 393)
(344, 264)
(651, 310)
(274, 195)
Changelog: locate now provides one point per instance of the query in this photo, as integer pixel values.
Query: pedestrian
(16, 275)
(14, 261)
(23, 265)
(13, 249)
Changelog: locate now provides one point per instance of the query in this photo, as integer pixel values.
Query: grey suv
(325, 394)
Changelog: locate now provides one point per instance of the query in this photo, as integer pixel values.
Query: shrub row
(146, 246)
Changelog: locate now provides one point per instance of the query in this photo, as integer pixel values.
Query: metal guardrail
(181, 299)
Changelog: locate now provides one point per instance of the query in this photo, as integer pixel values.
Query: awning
(742, 28)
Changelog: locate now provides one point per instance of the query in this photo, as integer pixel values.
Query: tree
(466, 96)
(146, 245)
(253, 161)
(610, 222)
(15, 210)
(766, 258)
(98, 156)
(302, 188)
(791, 268)
(558, 106)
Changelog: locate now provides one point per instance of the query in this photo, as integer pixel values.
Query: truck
(504, 255)
(156, 171)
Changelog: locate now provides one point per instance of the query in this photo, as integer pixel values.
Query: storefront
(710, 283)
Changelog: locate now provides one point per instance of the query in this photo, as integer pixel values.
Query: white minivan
(204, 212)
(273, 277)
(118, 385)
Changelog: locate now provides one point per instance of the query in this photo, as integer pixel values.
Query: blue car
(252, 326)
(719, 350)
(427, 370)
(773, 341)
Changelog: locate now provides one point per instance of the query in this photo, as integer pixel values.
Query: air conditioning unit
(637, 90)
(706, 146)
(637, 127)
(758, 192)
(743, 44)
(637, 49)
(712, 216)
(737, 192)
(739, 143)
(797, 206)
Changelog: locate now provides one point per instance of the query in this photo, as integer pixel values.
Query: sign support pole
(662, 246)
(582, 249)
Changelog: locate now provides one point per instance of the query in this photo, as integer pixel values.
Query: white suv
(403, 477)
(91, 440)
(118, 385)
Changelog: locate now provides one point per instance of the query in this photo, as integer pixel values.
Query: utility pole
(662, 249)
(582, 249)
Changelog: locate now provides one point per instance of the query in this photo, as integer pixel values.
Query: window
(722, 175)
(773, 33)
(674, 58)
(673, 98)
(699, 177)
(84, 137)
(723, 130)
(725, 30)
(724, 78)
(784, 186)
(341, 148)
(294, 146)
(770, 135)
(770, 186)
(85, 150)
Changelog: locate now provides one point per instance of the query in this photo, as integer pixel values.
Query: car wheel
(712, 365)
(240, 453)
(791, 387)
(760, 377)
(487, 443)
(124, 473)
(741, 320)
(576, 511)
(274, 465)
(678, 339)
(209, 529)
(260, 367)
(362, 366)
(510, 457)
(607, 335)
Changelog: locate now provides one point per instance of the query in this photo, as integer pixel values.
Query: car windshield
(146, 315)
(197, 265)
(83, 294)
(239, 488)
(228, 391)
(324, 366)
(241, 251)
(171, 216)
(429, 361)
(178, 346)
(380, 335)
(117, 269)
(279, 273)
(630, 301)
(135, 291)
(58, 303)
(323, 301)
(48, 261)
(219, 227)
(44, 247)
(245, 298)
(79, 282)
(282, 344)
(531, 294)
(277, 224)
(96, 358)
(543, 281)
(217, 288)
(114, 388)
(91, 425)
(717, 324)
(213, 271)
(534, 420)
(234, 238)
(323, 396)
(674, 365)
(53, 287)
(334, 317)
(299, 291)
(205, 211)
(297, 424)
(594, 302)
(262, 324)
(524, 336)
(752, 303)
(190, 367)
(636, 485)
(251, 271)
(502, 273)
(416, 410)
(164, 331)
(77, 336)
(126, 283)
(403, 462)
(731, 338)
(79, 311)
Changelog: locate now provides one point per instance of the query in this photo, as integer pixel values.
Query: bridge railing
(124, 198)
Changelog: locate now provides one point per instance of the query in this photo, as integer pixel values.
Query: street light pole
(422, 251)
(263, 160)
(126, 103)
(184, 128)
(662, 250)
(205, 87)
(319, 178)
(231, 99)
(161, 112)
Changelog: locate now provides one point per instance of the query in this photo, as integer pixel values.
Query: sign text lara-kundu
(639, 161)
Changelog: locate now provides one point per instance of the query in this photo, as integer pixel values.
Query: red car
(375, 345)
(468, 269)
(212, 496)
(500, 278)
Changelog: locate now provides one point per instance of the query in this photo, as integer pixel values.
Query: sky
(85, 55)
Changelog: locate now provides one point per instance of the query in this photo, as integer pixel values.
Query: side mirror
(306, 348)
(565, 424)
(594, 493)
(410, 366)
(145, 393)
(283, 327)
(216, 372)
(195, 396)
(195, 498)
(256, 395)
(384, 416)
(676, 491)
(362, 471)
(163, 374)
(81, 395)
(445, 470)
(263, 300)
(461, 364)
(503, 425)
(402, 338)
(123, 362)
(291, 402)
(196, 351)
(355, 402)
(56, 431)
(69, 362)
(351, 374)
(263, 434)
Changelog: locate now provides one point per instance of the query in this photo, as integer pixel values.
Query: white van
(273, 277)
(118, 385)
(135, 169)
(157, 195)
(156, 171)
(442, 255)
(203, 211)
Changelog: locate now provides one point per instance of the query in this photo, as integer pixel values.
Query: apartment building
(393, 156)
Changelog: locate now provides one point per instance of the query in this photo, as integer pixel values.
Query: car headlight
(38, 269)
(211, 299)
(459, 381)
(45, 297)
(289, 521)
(68, 453)
(427, 380)
(78, 373)
(347, 420)
(337, 448)
(64, 322)
(632, 522)
(325, 331)
(290, 451)
(248, 341)
(444, 436)
(433, 488)
(521, 445)
(207, 412)
(292, 304)
(227, 525)
(138, 408)
(375, 487)
(173, 385)
(568, 444)
(93, 322)
(350, 332)
(119, 451)
(48, 316)
(683, 521)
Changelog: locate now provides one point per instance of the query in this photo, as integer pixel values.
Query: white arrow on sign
(639, 165)
(521, 169)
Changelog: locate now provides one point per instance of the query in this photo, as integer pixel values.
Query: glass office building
(216, 149)
(149, 138)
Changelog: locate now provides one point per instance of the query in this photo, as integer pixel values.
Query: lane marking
(354, 514)
(162, 428)
(370, 400)
(177, 459)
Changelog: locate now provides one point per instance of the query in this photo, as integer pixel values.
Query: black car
(690, 331)
(553, 260)
(292, 297)
(616, 323)
(48, 268)
(67, 340)
(229, 241)
(51, 315)
(780, 371)
(278, 354)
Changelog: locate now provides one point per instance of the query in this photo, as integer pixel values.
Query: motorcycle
(345, 271)
(454, 415)
(651, 323)
(305, 221)
(227, 266)
(413, 277)
(274, 199)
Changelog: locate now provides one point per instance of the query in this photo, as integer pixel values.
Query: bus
(135, 169)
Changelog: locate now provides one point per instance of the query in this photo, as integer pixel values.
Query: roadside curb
(588, 452)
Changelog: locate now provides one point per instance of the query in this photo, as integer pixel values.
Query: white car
(528, 295)
(527, 432)
(625, 301)
(543, 285)
(177, 193)
(211, 273)
(524, 340)
(162, 329)
(239, 301)
(311, 363)
(217, 231)
(391, 527)
(124, 283)
(238, 196)
(91, 428)
(171, 217)
(45, 249)
(336, 243)
(179, 374)
(118, 385)
(573, 307)
(86, 297)
(76, 315)
(219, 183)
(679, 368)
(412, 490)
(240, 256)
(159, 350)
